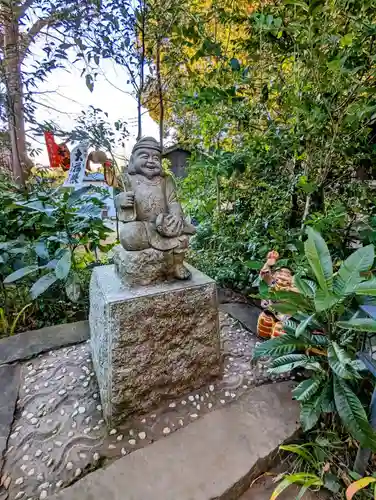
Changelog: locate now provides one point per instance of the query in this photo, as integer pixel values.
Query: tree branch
(33, 32)
(24, 7)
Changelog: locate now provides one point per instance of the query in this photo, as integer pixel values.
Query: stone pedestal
(151, 343)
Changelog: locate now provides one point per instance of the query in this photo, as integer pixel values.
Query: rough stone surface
(151, 344)
(246, 314)
(144, 267)
(10, 380)
(213, 458)
(28, 344)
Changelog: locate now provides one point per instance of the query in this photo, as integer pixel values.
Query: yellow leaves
(359, 485)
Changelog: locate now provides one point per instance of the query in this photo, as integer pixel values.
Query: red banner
(52, 149)
(58, 154)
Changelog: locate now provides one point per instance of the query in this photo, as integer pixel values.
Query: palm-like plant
(324, 333)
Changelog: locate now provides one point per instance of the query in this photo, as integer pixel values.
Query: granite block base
(151, 343)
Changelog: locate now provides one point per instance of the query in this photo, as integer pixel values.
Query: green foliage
(323, 318)
(48, 238)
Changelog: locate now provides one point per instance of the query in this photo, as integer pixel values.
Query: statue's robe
(152, 197)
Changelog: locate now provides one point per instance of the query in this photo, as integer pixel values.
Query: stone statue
(154, 234)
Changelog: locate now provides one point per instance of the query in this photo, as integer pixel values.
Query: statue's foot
(181, 272)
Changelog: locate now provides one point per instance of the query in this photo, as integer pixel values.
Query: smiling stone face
(147, 161)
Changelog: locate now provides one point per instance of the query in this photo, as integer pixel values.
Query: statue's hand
(169, 225)
(124, 200)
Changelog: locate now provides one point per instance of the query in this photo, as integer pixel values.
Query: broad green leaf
(366, 288)
(286, 307)
(20, 273)
(358, 485)
(339, 361)
(318, 256)
(352, 414)
(279, 346)
(42, 285)
(327, 398)
(305, 287)
(73, 288)
(348, 276)
(358, 324)
(309, 414)
(289, 326)
(77, 194)
(63, 265)
(41, 250)
(303, 326)
(324, 300)
(289, 358)
(306, 389)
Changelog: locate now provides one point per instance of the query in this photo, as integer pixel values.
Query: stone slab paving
(58, 433)
(214, 458)
(10, 380)
(246, 314)
(28, 344)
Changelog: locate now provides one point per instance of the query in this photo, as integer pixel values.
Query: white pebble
(19, 481)
(87, 430)
(14, 435)
(211, 388)
(132, 442)
(191, 398)
(166, 430)
(113, 431)
(198, 407)
(34, 421)
(83, 456)
(183, 402)
(43, 495)
(197, 396)
(78, 472)
(227, 394)
(38, 453)
(142, 435)
(96, 457)
(51, 401)
(59, 444)
(172, 405)
(81, 409)
(20, 494)
(26, 447)
(111, 447)
(69, 466)
(194, 415)
(123, 451)
(181, 422)
(59, 484)
(25, 458)
(29, 416)
(62, 392)
(31, 472)
(99, 407)
(44, 486)
(70, 434)
(120, 437)
(23, 467)
(222, 401)
(62, 411)
(100, 422)
(210, 405)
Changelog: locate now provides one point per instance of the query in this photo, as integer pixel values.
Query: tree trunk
(142, 64)
(160, 94)
(15, 102)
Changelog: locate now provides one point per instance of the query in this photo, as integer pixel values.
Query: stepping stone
(246, 314)
(28, 344)
(216, 456)
(10, 380)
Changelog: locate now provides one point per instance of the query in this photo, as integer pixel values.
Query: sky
(64, 95)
